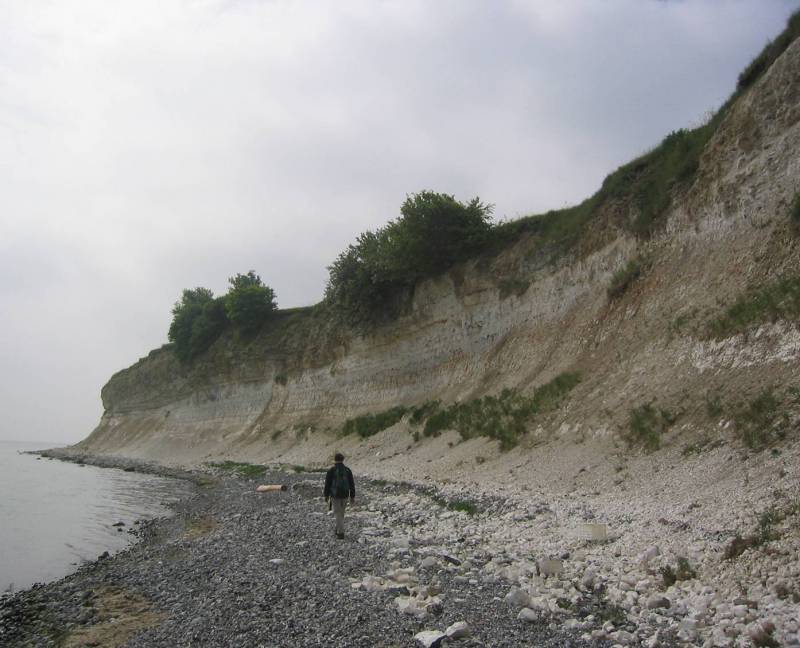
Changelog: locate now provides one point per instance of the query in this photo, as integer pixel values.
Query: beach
(237, 567)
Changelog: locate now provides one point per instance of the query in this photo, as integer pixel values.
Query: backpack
(340, 486)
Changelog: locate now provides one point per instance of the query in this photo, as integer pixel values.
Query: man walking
(339, 485)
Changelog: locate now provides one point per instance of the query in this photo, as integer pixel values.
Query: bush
(197, 321)
(761, 423)
(371, 280)
(779, 300)
(249, 302)
(623, 278)
(769, 54)
(646, 425)
(369, 424)
(504, 417)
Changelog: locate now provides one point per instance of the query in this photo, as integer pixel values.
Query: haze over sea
(56, 515)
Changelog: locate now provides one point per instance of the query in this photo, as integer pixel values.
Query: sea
(56, 515)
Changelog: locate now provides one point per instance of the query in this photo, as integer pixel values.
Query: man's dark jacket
(329, 480)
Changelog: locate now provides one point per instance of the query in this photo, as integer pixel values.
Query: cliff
(518, 319)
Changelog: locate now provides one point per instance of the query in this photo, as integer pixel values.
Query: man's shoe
(340, 536)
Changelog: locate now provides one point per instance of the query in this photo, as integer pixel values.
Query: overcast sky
(153, 145)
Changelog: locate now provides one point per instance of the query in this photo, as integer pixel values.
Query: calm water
(56, 515)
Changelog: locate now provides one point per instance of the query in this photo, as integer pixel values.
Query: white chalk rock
(459, 630)
(549, 567)
(518, 597)
(526, 614)
(429, 638)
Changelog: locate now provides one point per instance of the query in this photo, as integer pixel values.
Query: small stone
(549, 567)
(518, 597)
(428, 562)
(430, 638)
(459, 630)
(526, 614)
(657, 601)
(277, 561)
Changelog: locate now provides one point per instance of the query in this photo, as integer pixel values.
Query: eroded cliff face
(465, 337)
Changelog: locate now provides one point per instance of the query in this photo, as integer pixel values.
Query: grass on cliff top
(779, 300)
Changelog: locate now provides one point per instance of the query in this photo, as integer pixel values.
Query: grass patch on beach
(766, 530)
(646, 425)
(196, 527)
(369, 424)
(242, 469)
(461, 506)
(122, 613)
(504, 417)
(683, 570)
(779, 300)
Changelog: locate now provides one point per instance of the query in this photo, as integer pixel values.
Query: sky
(149, 146)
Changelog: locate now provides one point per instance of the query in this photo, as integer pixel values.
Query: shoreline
(234, 566)
(436, 558)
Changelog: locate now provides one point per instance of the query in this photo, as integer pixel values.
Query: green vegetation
(769, 54)
(463, 506)
(370, 281)
(762, 422)
(767, 530)
(646, 425)
(248, 302)
(239, 468)
(682, 571)
(374, 278)
(516, 287)
(779, 300)
(504, 417)
(421, 412)
(197, 320)
(626, 276)
(369, 424)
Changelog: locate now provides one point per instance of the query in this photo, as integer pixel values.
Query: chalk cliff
(517, 320)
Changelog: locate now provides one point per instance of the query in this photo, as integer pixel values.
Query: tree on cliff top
(197, 320)
(369, 280)
(249, 302)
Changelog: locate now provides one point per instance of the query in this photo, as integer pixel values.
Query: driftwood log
(268, 488)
